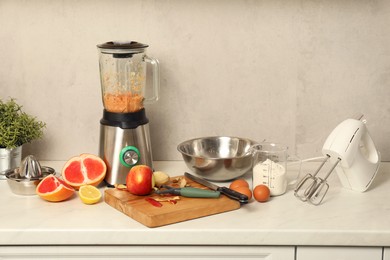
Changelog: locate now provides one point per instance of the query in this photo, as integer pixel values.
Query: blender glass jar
(123, 76)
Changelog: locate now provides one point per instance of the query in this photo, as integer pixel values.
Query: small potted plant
(16, 128)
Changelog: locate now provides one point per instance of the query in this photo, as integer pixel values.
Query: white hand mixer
(354, 156)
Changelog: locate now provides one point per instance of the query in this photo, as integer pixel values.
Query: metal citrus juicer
(124, 128)
(353, 155)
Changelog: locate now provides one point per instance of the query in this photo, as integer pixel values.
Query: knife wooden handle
(234, 194)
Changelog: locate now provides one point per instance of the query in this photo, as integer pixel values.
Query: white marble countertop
(345, 218)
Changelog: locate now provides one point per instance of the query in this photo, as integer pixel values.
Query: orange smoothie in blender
(123, 102)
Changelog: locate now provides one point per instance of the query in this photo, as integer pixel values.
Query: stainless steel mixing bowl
(217, 158)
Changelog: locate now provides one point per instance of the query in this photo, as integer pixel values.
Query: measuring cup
(273, 167)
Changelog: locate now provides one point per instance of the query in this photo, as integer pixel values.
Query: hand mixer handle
(367, 147)
(366, 164)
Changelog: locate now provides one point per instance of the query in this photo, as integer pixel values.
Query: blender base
(121, 149)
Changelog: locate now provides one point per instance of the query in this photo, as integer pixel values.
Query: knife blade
(242, 198)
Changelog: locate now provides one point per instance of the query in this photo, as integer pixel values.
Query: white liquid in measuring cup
(271, 174)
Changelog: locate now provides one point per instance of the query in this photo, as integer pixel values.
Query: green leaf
(17, 127)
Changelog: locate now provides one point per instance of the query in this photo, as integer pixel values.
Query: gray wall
(283, 70)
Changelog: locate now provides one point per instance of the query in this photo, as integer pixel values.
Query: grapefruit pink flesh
(54, 189)
(85, 169)
(73, 172)
(48, 186)
(93, 168)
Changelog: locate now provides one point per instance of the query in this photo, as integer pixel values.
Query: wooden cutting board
(142, 211)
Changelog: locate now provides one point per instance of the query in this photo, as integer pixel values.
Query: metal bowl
(217, 158)
(25, 186)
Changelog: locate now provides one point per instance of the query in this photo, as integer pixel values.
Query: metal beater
(312, 188)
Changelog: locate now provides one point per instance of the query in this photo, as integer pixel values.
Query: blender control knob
(130, 156)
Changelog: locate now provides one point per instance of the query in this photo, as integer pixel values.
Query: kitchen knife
(190, 192)
(242, 198)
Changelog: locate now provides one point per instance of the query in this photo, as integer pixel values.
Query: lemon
(89, 194)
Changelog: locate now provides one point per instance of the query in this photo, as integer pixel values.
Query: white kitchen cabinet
(339, 253)
(147, 252)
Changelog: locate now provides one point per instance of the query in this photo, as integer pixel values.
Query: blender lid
(122, 47)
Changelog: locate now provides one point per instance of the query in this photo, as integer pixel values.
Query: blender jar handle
(156, 80)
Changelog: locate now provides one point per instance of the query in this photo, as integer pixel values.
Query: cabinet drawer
(339, 253)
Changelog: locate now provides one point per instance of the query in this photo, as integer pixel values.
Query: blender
(124, 127)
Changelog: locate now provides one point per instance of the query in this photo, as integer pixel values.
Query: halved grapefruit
(85, 169)
(54, 189)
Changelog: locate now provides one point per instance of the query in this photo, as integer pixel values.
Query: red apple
(139, 180)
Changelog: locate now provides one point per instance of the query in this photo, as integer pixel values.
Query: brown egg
(261, 193)
(244, 190)
(239, 183)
